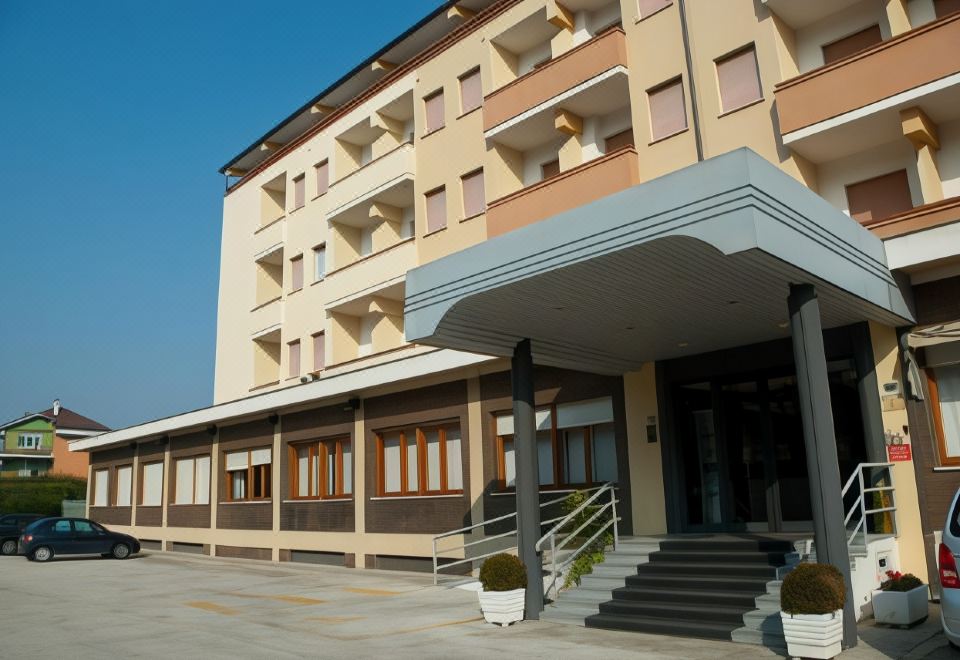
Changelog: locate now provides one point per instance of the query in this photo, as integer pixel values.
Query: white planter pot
(503, 607)
(903, 608)
(813, 635)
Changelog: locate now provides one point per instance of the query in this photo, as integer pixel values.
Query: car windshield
(34, 525)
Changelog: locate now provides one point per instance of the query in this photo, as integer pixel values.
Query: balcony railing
(381, 172)
(371, 271)
(266, 315)
(588, 182)
(924, 217)
(916, 58)
(574, 67)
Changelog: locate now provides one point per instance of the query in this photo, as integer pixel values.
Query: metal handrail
(860, 505)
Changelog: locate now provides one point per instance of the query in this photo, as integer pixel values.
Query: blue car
(47, 538)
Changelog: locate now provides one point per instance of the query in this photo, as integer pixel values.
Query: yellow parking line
(371, 592)
(298, 600)
(404, 631)
(335, 619)
(212, 607)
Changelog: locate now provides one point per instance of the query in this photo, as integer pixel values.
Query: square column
(820, 443)
(527, 480)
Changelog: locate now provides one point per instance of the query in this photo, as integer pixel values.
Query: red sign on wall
(896, 453)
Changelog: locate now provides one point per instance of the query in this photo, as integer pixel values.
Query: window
(420, 461)
(880, 197)
(943, 7)
(87, 528)
(618, 141)
(849, 45)
(299, 191)
(739, 79)
(944, 385)
(101, 482)
(193, 481)
(668, 114)
(248, 475)
(319, 262)
(29, 440)
(321, 469)
(296, 273)
(62, 527)
(576, 445)
(151, 484)
(471, 94)
(319, 351)
(550, 169)
(436, 209)
(474, 202)
(124, 485)
(323, 177)
(648, 7)
(433, 105)
(293, 354)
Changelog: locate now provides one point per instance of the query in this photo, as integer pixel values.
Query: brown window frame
(938, 431)
(266, 477)
(422, 468)
(315, 453)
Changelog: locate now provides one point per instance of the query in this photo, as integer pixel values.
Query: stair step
(614, 570)
(619, 559)
(660, 626)
(724, 569)
(676, 612)
(578, 609)
(726, 546)
(560, 616)
(768, 602)
(586, 596)
(597, 582)
(667, 596)
(770, 640)
(755, 585)
(706, 557)
(764, 621)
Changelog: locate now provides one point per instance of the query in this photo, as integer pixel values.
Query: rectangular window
(319, 351)
(575, 442)
(648, 7)
(436, 209)
(293, 354)
(944, 7)
(880, 197)
(323, 177)
(944, 385)
(151, 484)
(851, 44)
(299, 191)
(29, 440)
(433, 107)
(474, 202)
(618, 141)
(321, 469)
(471, 94)
(124, 485)
(739, 79)
(101, 484)
(248, 475)
(296, 273)
(319, 262)
(550, 169)
(193, 481)
(668, 113)
(424, 460)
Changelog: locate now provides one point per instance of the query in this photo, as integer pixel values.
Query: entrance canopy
(695, 261)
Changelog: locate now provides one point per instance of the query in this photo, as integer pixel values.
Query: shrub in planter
(504, 581)
(901, 600)
(811, 599)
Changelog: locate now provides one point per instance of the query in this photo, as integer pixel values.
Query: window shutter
(185, 474)
(648, 7)
(878, 198)
(434, 111)
(668, 114)
(851, 44)
(299, 191)
(260, 457)
(203, 480)
(436, 210)
(471, 95)
(152, 484)
(296, 273)
(473, 194)
(584, 413)
(739, 79)
(237, 461)
(294, 354)
(323, 177)
(124, 485)
(319, 348)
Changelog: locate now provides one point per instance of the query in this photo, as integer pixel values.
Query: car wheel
(43, 553)
(9, 547)
(120, 551)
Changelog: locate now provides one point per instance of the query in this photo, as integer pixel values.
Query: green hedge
(39, 494)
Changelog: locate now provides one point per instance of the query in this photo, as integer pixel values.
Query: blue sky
(114, 119)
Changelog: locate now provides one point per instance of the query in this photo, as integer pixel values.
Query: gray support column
(527, 476)
(820, 442)
(869, 391)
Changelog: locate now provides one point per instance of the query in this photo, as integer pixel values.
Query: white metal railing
(484, 540)
(860, 510)
(607, 510)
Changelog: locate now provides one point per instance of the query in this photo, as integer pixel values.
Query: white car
(949, 576)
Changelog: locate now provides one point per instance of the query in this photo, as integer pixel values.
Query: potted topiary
(811, 603)
(901, 600)
(504, 581)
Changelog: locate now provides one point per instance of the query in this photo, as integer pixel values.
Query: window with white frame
(151, 484)
(193, 481)
(29, 440)
(124, 492)
(248, 475)
(319, 262)
(101, 487)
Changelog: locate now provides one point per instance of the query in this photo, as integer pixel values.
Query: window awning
(698, 260)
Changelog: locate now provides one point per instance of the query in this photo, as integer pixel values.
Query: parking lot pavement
(169, 605)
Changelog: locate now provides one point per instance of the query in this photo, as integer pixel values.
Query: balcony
(921, 218)
(373, 181)
(265, 316)
(556, 81)
(370, 273)
(575, 187)
(843, 107)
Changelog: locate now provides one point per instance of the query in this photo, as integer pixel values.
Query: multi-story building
(669, 199)
(38, 443)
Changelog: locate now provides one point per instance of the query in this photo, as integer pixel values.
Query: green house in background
(27, 447)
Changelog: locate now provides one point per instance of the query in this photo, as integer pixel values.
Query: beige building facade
(340, 435)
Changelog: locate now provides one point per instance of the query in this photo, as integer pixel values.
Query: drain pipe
(681, 5)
